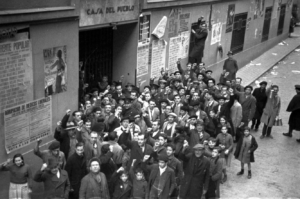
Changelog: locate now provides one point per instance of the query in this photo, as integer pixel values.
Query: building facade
(248, 28)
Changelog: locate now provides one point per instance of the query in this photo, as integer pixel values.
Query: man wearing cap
(155, 95)
(294, 108)
(169, 126)
(183, 115)
(196, 172)
(198, 135)
(248, 103)
(198, 112)
(230, 68)
(129, 111)
(261, 100)
(56, 181)
(200, 36)
(52, 152)
(161, 183)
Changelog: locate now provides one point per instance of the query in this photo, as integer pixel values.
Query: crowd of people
(172, 139)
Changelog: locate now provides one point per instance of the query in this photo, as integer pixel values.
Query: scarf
(97, 177)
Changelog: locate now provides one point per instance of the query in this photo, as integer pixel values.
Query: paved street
(275, 173)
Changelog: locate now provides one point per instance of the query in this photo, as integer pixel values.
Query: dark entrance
(96, 53)
(267, 22)
(281, 20)
(238, 33)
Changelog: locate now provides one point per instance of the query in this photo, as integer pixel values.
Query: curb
(269, 68)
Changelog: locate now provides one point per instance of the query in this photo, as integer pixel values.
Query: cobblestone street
(275, 173)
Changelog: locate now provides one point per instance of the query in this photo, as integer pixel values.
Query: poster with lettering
(55, 68)
(216, 33)
(174, 53)
(184, 20)
(95, 12)
(144, 28)
(158, 57)
(174, 21)
(184, 44)
(230, 17)
(25, 123)
(142, 59)
(16, 74)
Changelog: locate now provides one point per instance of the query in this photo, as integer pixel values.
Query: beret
(54, 145)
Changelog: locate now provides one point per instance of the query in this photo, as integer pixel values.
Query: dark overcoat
(261, 100)
(193, 184)
(54, 187)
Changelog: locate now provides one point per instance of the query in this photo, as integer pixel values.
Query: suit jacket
(208, 107)
(168, 182)
(176, 165)
(261, 100)
(248, 105)
(225, 108)
(53, 186)
(136, 152)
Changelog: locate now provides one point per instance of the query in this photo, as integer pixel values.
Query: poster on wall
(25, 123)
(174, 22)
(158, 57)
(95, 12)
(142, 59)
(144, 28)
(216, 33)
(230, 17)
(259, 8)
(16, 74)
(184, 44)
(55, 67)
(184, 20)
(174, 52)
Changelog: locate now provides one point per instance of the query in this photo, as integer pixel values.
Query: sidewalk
(270, 58)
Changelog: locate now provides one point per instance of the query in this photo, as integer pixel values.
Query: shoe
(241, 172)
(287, 134)
(224, 179)
(249, 175)
(262, 137)
(298, 140)
(270, 136)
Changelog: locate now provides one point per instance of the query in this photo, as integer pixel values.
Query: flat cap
(263, 82)
(198, 146)
(172, 114)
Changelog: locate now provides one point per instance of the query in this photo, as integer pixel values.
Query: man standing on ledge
(294, 107)
(200, 37)
(230, 68)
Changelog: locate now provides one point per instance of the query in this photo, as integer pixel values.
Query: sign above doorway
(97, 12)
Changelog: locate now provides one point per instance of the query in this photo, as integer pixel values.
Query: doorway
(238, 33)
(281, 20)
(267, 23)
(96, 54)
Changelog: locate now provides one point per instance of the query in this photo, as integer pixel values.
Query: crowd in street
(172, 139)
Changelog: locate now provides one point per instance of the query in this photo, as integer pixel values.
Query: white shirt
(161, 170)
(155, 133)
(58, 174)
